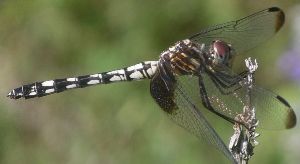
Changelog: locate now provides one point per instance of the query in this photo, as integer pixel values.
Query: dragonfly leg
(228, 80)
(224, 81)
(206, 102)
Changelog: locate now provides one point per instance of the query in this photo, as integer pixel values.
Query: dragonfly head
(220, 53)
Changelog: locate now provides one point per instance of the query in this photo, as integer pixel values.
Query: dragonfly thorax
(184, 58)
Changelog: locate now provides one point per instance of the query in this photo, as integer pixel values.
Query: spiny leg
(228, 78)
(228, 81)
(206, 102)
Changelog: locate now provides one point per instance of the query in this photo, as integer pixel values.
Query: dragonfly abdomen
(139, 71)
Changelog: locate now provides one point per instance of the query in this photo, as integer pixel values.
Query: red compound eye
(221, 49)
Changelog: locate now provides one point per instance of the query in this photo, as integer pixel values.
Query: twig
(243, 141)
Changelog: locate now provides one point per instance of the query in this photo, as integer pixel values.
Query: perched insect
(194, 74)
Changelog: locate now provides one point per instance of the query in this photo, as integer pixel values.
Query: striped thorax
(183, 58)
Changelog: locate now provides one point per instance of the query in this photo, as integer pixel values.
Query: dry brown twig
(243, 141)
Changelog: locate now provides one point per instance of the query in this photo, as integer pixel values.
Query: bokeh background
(120, 123)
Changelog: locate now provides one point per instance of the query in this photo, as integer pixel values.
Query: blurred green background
(120, 123)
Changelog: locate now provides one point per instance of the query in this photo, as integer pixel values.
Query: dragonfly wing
(245, 33)
(185, 111)
(272, 111)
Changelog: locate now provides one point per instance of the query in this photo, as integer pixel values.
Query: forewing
(245, 33)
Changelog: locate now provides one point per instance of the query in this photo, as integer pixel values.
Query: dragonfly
(195, 74)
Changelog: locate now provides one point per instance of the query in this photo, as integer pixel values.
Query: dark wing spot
(291, 119)
(279, 17)
(274, 9)
(281, 99)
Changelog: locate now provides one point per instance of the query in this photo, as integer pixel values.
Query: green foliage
(118, 123)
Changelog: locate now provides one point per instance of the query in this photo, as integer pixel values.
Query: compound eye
(220, 51)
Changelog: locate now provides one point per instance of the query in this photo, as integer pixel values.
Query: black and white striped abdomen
(139, 71)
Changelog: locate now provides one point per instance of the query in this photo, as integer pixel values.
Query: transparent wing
(245, 33)
(272, 111)
(176, 100)
(189, 116)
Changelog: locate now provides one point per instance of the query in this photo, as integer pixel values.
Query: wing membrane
(273, 112)
(189, 116)
(245, 33)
